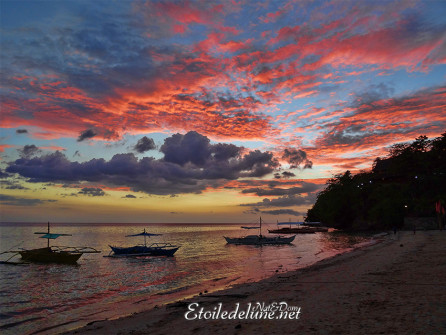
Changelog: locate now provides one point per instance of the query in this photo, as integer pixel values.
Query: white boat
(259, 239)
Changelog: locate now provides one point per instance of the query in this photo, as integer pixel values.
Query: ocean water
(52, 298)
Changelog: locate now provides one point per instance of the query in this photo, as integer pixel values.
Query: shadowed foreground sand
(394, 287)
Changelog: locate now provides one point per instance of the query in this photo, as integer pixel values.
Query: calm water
(48, 299)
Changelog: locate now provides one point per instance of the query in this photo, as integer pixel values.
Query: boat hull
(47, 255)
(259, 240)
(143, 251)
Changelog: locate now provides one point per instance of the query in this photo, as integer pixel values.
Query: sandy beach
(396, 286)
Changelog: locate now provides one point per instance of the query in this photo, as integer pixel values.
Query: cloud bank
(190, 165)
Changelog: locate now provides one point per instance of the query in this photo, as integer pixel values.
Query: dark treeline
(408, 182)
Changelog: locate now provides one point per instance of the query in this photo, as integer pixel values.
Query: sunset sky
(207, 111)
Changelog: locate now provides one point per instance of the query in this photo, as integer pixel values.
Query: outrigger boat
(259, 239)
(154, 249)
(305, 228)
(51, 254)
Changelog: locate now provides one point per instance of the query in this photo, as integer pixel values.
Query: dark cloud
(284, 174)
(190, 165)
(130, 196)
(346, 134)
(16, 187)
(284, 201)
(372, 94)
(92, 191)
(254, 211)
(217, 160)
(145, 144)
(190, 148)
(28, 151)
(262, 191)
(259, 163)
(271, 184)
(4, 174)
(296, 158)
(21, 131)
(86, 134)
(12, 185)
(15, 201)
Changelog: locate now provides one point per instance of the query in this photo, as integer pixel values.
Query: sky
(207, 111)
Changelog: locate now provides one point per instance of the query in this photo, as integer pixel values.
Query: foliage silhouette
(408, 182)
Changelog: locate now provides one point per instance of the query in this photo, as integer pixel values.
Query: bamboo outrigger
(50, 254)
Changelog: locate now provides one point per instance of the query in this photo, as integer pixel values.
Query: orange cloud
(372, 126)
(5, 146)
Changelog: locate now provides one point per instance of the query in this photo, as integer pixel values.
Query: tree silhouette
(408, 182)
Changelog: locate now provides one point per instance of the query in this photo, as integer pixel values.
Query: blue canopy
(50, 236)
(53, 236)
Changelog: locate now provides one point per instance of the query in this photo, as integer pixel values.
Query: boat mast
(260, 226)
(48, 240)
(145, 243)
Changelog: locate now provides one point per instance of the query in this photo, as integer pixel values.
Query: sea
(53, 298)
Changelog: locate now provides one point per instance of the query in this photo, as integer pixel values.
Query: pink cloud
(234, 46)
(371, 127)
(188, 12)
(179, 28)
(305, 94)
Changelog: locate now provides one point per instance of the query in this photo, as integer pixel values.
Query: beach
(395, 286)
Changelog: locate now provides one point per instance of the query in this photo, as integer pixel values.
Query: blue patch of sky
(194, 34)
(402, 81)
(410, 82)
(433, 11)
(18, 14)
(317, 171)
(78, 151)
(8, 134)
(248, 144)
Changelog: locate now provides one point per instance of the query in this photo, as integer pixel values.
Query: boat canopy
(50, 236)
(144, 233)
(250, 227)
(53, 236)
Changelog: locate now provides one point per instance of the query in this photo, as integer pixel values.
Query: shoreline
(394, 286)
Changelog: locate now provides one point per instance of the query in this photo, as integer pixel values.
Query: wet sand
(397, 286)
